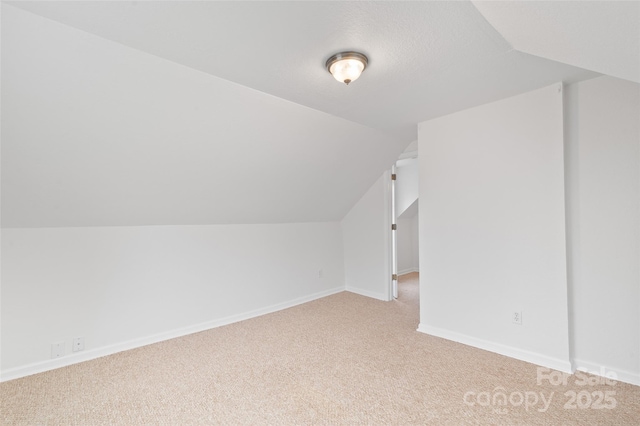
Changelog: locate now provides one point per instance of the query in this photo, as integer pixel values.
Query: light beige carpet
(344, 359)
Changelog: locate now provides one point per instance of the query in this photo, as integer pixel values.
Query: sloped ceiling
(98, 134)
(427, 58)
(175, 112)
(602, 36)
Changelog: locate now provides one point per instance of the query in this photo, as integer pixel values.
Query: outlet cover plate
(78, 344)
(516, 317)
(57, 349)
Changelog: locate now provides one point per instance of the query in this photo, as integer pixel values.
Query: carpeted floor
(344, 359)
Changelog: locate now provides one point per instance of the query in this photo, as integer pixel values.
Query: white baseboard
(522, 355)
(408, 271)
(606, 371)
(367, 293)
(42, 366)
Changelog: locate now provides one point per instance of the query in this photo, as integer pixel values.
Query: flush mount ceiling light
(347, 66)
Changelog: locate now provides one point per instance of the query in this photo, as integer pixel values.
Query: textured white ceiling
(177, 112)
(427, 58)
(602, 36)
(98, 134)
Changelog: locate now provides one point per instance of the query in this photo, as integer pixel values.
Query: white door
(394, 245)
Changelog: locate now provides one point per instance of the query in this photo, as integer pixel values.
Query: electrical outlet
(57, 349)
(319, 273)
(516, 317)
(78, 344)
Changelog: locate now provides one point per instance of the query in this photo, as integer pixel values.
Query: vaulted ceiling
(177, 112)
(602, 36)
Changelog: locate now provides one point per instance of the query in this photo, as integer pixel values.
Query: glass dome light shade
(346, 67)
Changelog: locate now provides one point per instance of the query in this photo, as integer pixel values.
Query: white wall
(407, 213)
(95, 133)
(121, 287)
(406, 184)
(366, 233)
(99, 140)
(415, 242)
(407, 244)
(492, 227)
(603, 216)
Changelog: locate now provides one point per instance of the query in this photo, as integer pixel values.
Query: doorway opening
(404, 228)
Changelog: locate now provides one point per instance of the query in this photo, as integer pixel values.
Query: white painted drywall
(407, 237)
(121, 287)
(603, 217)
(406, 184)
(427, 58)
(411, 148)
(492, 227)
(602, 36)
(95, 133)
(415, 236)
(366, 233)
(407, 213)
(404, 245)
